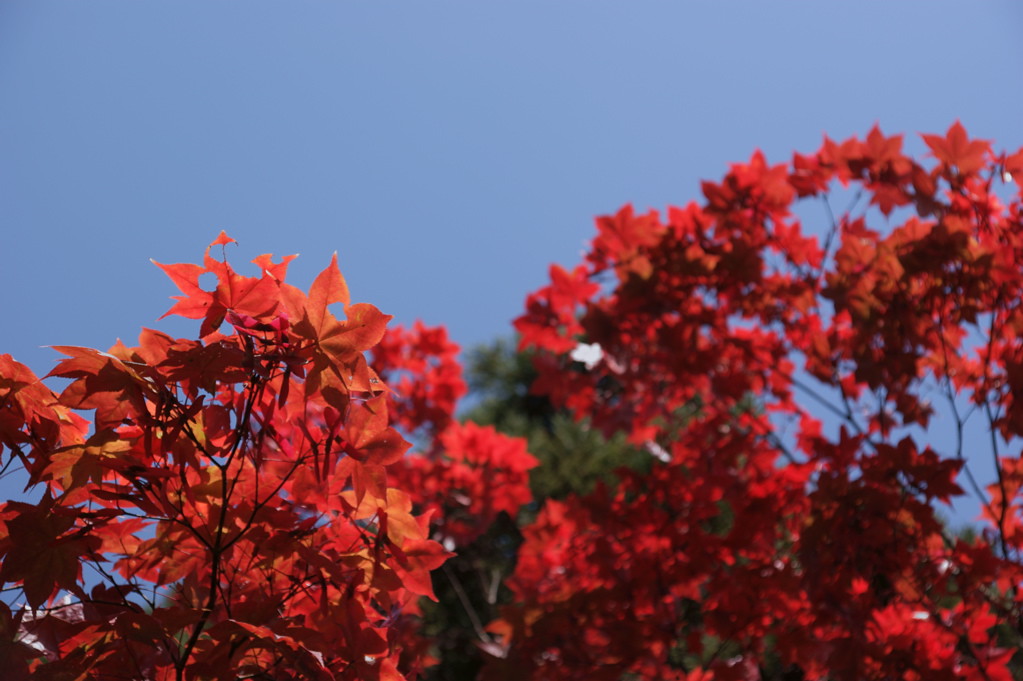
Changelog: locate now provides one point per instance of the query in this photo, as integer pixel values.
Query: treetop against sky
(243, 502)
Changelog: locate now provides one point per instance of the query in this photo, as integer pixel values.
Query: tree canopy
(728, 465)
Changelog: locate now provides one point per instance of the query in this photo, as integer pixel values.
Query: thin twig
(477, 625)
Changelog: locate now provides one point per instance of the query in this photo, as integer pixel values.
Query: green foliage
(573, 458)
(573, 455)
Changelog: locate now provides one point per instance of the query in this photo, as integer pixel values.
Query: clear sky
(449, 151)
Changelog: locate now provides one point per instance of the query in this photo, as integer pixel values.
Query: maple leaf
(363, 328)
(370, 439)
(278, 270)
(75, 466)
(366, 479)
(223, 239)
(328, 288)
(29, 409)
(416, 558)
(195, 366)
(104, 383)
(196, 302)
(14, 653)
(885, 152)
(255, 297)
(569, 289)
(42, 555)
(956, 149)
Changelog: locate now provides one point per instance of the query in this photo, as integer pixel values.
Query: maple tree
(247, 504)
(228, 504)
(788, 381)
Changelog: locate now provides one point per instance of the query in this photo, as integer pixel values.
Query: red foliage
(765, 548)
(421, 369)
(474, 474)
(242, 505)
(227, 514)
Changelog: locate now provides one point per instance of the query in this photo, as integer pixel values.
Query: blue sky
(449, 151)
